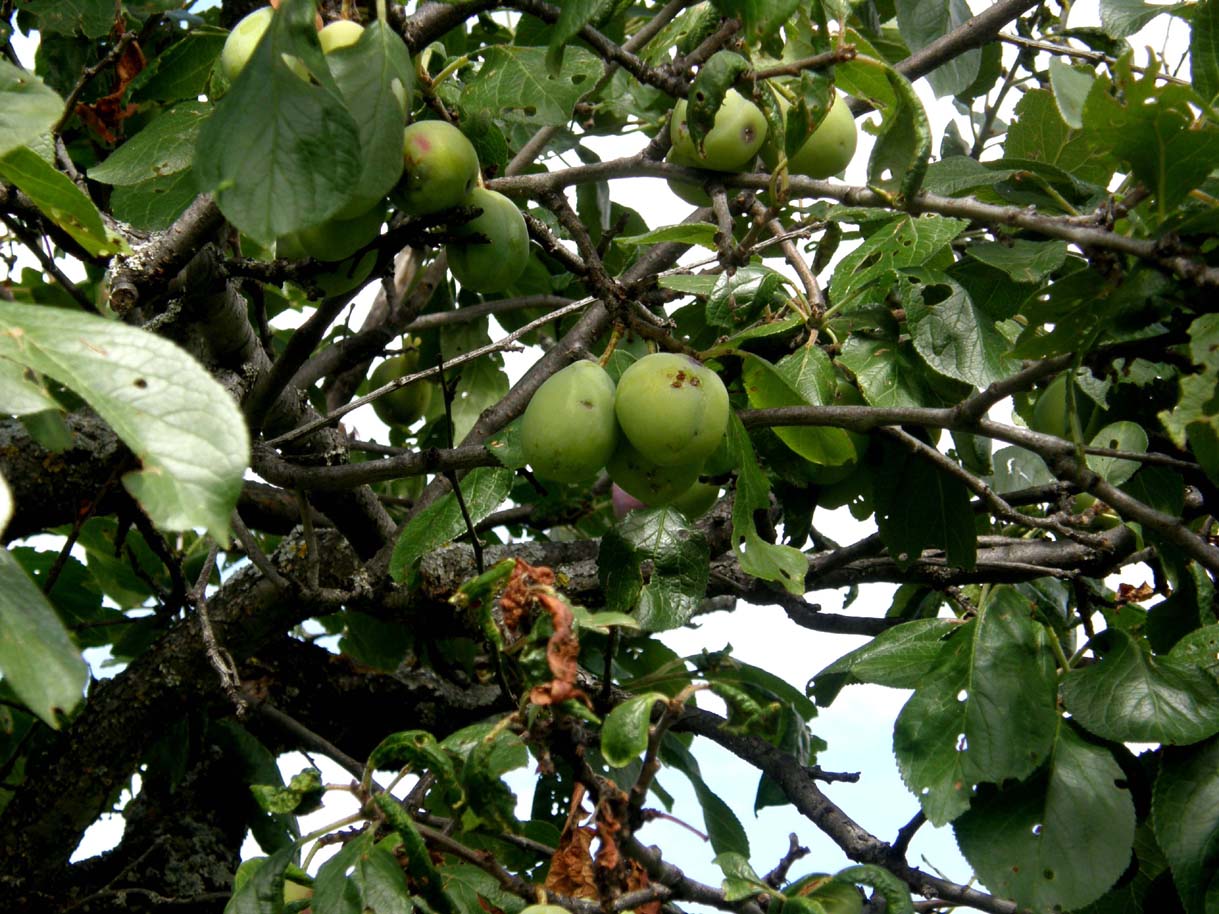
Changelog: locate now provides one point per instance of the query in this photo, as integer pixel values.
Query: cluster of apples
(738, 134)
(652, 433)
(441, 171)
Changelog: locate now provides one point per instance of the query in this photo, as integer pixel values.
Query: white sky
(858, 726)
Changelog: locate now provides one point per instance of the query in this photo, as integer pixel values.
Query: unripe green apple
(693, 193)
(569, 430)
(1050, 415)
(404, 406)
(341, 33)
(651, 483)
(735, 137)
(440, 171)
(240, 44)
(333, 240)
(829, 148)
(497, 263)
(673, 409)
(697, 500)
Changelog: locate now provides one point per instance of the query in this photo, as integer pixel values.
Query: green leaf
(1131, 696)
(280, 153)
(182, 71)
(1024, 841)
(889, 373)
(740, 880)
(898, 657)
(892, 889)
(263, 891)
(759, 18)
(767, 561)
(707, 93)
(515, 83)
(1204, 48)
(21, 391)
(484, 490)
(302, 796)
(985, 713)
(919, 506)
(154, 205)
(700, 233)
(573, 16)
(907, 241)
(691, 285)
(924, 21)
(680, 559)
(624, 735)
(362, 878)
(952, 335)
(767, 387)
(1041, 135)
(1022, 260)
(37, 656)
(60, 200)
(1118, 436)
(164, 147)
(1185, 815)
(903, 147)
(960, 174)
(28, 108)
(737, 300)
(1122, 18)
(1071, 87)
(367, 73)
(91, 18)
(183, 426)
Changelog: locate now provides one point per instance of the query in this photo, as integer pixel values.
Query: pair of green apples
(738, 134)
(652, 432)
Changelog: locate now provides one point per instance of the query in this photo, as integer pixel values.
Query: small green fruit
(569, 430)
(829, 148)
(404, 406)
(495, 264)
(341, 33)
(691, 192)
(333, 240)
(697, 500)
(440, 168)
(241, 42)
(673, 409)
(1051, 417)
(735, 138)
(652, 484)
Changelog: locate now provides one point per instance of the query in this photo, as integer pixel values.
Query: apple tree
(997, 349)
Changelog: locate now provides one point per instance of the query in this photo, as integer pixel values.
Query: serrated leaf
(767, 388)
(691, 285)
(1204, 48)
(706, 96)
(952, 335)
(737, 300)
(301, 796)
(263, 891)
(919, 506)
(515, 83)
(985, 713)
(60, 200)
(20, 391)
(183, 426)
(484, 489)
(906, 241)
(154, 205)
(888, 371)
(700, 233)
(1185, 814)
(280, 153)
(37, 656)
(1118, 436)
(1130, 695)
(893, 890)
(624, 735)
(680, 559)
(91, 18)
(183, 70)
(1071, 87)
(28, 108)
(924, 21)
(1021, 259)
(760, 19)
(1122, 18)
(902, 149)
(1039, 134)
(740, 880)
(767, 561)
(366, 74)
(898, 657)
(164, 147)
(1058, 840)
(573, 16)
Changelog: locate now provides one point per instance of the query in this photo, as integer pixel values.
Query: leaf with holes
(516, 83)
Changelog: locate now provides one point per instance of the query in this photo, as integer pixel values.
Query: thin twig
(313, 559)
(255, 554)
(220, 659)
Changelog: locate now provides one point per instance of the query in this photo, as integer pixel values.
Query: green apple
(697, 500)
(649, 482)
(690, 191)
(341, 33)
(440, 169)
(673, 409)
(240, 44)
(496, 263)
(735, 138)
(404, 406)
(569, 430)
(829, 148)
(333, 240)
(1050, 415)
